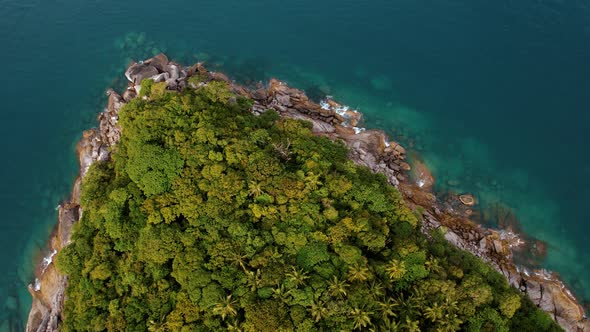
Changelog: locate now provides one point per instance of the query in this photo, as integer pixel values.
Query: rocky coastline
(370, 148)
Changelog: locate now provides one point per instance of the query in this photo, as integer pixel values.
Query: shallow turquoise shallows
(494, 95)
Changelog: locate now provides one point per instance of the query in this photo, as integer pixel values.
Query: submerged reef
(365, 147)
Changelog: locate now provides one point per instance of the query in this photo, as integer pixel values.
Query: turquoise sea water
(493, 95)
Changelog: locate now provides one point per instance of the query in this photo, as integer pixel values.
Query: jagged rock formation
(49, 289)
(370, 148)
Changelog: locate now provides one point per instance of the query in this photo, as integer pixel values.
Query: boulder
(284, 100)
(405, 166)
(138, 72)
(454, 239)
(160, 77)
(159, 62)
(173, 70)
(171, 84)
(345, 131)
(129, 94)
(115, 102)
(467, 199)
(422, 175)
(259, 94)
(220, 77)
(353, 117)
(397, 147)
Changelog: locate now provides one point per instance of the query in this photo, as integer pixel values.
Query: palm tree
(450, 322)
(408, 307)
(450, 305)
(358, 272)
(433, 265)
(281, 294)
(389, 325)
(395, 269)
(239, 260)
(337, 287)
(283, 149)
(254, 279)
(297, 277)
(386, 308)
(411, 325)
(312, 181)
(360, 318)
(235, 326)
(376, 289)
(434, 312)
(225, 307)
(255, 189)
(319, 310)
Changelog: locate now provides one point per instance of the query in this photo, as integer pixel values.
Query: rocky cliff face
(370, 148)
(48, 291)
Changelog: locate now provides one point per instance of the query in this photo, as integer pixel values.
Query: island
(204, 205)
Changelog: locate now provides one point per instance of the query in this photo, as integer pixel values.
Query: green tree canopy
(209, 218)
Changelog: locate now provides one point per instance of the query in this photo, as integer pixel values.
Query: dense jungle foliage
(209, 218)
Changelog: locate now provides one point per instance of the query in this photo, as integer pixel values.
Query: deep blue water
(493, 94)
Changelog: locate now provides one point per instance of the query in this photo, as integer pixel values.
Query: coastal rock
(129, 94)
(503, 215)
(87, 149)
(68, 214)
(159, 62)
(259, 94)
(344, 131)
(173, 70)
(138, 71)
(220, 77)
(455, 240)
(48, 291)
(162, 77)
(422, 175)
(405, 166)
(550, 296)
(171, 84)
(284, 100)
(352, 117)
(467, 199)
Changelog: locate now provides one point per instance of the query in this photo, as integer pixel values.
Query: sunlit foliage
(209, 218)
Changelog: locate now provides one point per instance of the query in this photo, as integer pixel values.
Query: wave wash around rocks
(198, 208)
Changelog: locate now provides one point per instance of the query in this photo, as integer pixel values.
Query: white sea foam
(342, 110)
(47, 260)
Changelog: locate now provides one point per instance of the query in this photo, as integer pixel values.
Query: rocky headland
(370, 148)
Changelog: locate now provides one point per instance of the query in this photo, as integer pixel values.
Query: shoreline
(368, 147)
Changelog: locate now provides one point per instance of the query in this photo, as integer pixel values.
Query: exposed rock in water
(159, 62)
(421, 174)
(140, 71)
(370, 148)
(467, 199)
(504, 216)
